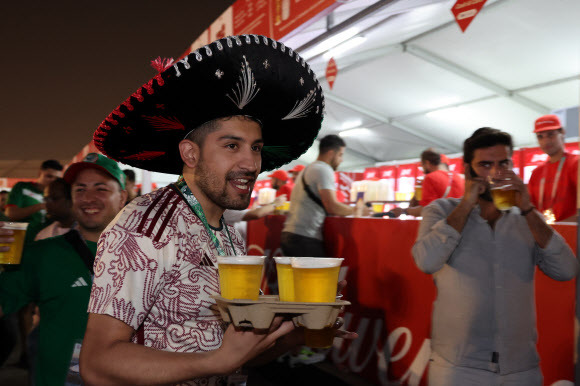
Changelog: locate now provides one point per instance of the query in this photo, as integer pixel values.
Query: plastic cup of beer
(316, 281)
(14, 255)
(285, 278)
(502, 193)
(240, 276)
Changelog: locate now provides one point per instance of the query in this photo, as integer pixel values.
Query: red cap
(547, 122)
(297, 168)
(444, 159)
(279, 174)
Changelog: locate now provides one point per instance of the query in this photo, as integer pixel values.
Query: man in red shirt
(281, 183)
(553, 185)
(439, 182)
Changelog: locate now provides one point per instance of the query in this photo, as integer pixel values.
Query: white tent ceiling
(417, 81)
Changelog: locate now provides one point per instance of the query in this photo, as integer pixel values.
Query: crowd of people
(144, 266)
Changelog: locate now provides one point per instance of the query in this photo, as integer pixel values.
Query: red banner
(392, 300)
(288, 15)
(331, 72)
(464, 11)
(371, 174)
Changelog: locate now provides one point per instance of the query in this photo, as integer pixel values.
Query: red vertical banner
(456, 165)
(331, 72)
(406, 181)
(531, 158)
(464, 11)
(251, 17)
(517, 162)
(371, 173)
(288, 15)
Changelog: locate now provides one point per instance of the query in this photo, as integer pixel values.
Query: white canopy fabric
(417, 81)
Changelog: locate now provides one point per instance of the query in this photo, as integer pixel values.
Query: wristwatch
(527, 211)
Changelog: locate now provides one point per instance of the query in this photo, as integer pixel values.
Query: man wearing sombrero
(218, 117)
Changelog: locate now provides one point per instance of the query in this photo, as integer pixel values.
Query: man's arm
(15, 213)
(332, 205)
(108, 356)
(439, 233)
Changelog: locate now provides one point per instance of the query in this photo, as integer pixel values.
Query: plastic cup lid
(247, 260)
(15, 226)
(283, 260)
(316, 262)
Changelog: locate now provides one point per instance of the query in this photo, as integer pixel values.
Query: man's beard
(216, 190)
(486, 195)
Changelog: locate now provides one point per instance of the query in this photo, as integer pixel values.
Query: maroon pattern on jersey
(148, 274)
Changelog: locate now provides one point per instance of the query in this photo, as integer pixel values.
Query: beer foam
(15, 226)
(316, 262)
(283, 260)
(245, 260)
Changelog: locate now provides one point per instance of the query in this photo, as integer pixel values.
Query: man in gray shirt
(310, 204)
(483, 263)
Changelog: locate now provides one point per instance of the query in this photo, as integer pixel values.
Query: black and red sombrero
(238, 75)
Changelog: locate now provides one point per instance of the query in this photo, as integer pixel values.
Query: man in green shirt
(55, 276)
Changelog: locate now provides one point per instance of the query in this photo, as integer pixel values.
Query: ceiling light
(331, 42)
(350, 124)
(363, 131)
(341, 48)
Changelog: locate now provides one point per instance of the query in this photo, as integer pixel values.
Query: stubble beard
(216, 190)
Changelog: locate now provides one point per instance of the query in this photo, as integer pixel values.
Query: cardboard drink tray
(259, 313)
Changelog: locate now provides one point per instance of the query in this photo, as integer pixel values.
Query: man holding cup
(218, 117)
(55, 273)
(483, 262)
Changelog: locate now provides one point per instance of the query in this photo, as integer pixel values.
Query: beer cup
(240, 276)
(502, 193)
(316, 281)
(285, 278)
(14, 255)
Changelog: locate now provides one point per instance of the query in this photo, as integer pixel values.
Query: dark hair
(432, 156)
(330, 142)
(198, 134)
(65, 186)
(51, 164)
(485, 137)
(4, 192)
(130, 174)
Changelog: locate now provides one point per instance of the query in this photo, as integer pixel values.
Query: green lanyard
(196, 208)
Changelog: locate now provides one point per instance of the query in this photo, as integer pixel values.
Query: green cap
(99, 162)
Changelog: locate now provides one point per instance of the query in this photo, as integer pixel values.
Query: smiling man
(218, 117)
(55, 273)
(553, 185)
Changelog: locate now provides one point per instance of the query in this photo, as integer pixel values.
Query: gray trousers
(297, 245)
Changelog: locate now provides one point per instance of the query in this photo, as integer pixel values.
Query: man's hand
(6, 237)
(240, 345)
(280, 200)
(474, 186)
(522, 196)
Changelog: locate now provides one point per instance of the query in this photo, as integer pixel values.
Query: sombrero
(237, 75)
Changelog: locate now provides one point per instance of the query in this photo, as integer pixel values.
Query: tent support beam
(389, 121)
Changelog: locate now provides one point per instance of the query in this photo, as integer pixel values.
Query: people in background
(312, 199)
(439, 182)
(58, 200)
(483, 263)
(553, 185)
(3, 200)
(56, 273)
(295, 171)
(26, 199)
(281, 182)
(130, 185)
